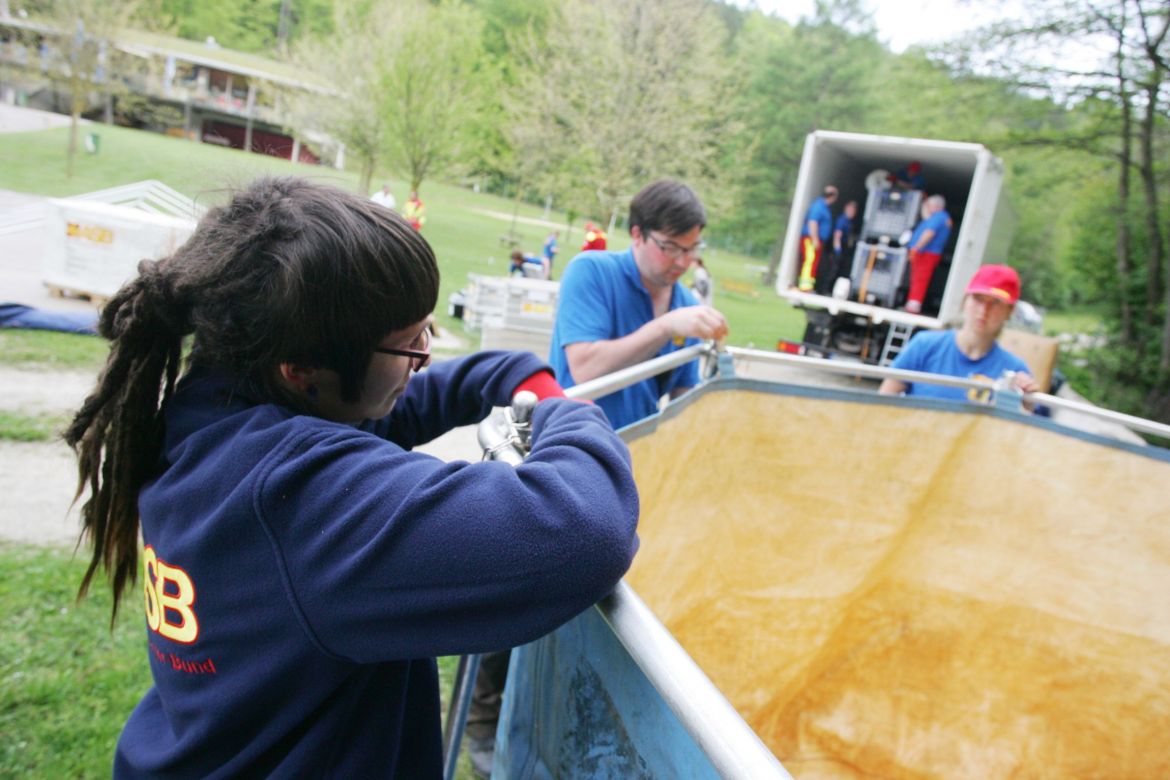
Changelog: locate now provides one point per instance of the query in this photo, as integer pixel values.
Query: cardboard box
(1039, 352)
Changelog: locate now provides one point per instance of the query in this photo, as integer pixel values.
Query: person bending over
(300, 566)
(617, 309)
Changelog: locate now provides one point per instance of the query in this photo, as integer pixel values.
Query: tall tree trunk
(1155, 258)
(76, 98)
(367, 175)
(1124, 259)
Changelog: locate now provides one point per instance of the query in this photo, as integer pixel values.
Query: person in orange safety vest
(415, 211)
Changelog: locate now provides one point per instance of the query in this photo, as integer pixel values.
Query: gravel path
(38, 479)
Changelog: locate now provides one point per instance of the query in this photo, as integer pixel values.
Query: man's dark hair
(667, 206)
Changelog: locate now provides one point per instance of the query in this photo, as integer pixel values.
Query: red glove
(543, 385)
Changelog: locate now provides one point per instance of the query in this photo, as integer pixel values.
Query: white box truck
(855, 323)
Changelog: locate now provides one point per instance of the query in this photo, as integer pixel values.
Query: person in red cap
(971, 351)
(910, 177)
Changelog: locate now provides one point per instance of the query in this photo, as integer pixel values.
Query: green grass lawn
(461, 224)
(1085, 319)
(42, 349)
(67, 681)
(15, 426)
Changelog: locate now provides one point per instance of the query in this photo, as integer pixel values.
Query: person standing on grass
(549, 251)
(300, 567)
(415, 211)
(384, 197)
(701, 283)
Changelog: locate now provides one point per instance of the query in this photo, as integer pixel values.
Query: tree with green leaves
(257, 26)
(616, 94)
(819, 74)
(433, 88)
(348, 63)
(83, 57)
(400, 85)
(1106, 61)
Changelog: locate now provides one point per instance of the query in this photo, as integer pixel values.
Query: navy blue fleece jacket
(301, 575)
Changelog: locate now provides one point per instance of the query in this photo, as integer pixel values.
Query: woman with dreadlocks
(300, 566)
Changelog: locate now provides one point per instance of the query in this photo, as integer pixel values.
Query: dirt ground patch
(38, 479)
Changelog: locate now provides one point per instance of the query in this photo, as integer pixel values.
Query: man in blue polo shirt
(617, 309)
(816, 230)
(926, 248)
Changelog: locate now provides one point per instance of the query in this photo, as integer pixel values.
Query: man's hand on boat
(697, 322)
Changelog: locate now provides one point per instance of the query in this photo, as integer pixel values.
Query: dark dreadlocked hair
(288, 271)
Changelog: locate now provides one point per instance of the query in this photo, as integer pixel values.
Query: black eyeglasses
(675, 251)
(417, 356)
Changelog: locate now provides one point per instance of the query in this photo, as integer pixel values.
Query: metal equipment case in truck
(868, 324)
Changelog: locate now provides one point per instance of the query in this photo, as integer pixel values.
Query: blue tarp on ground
(16, 315)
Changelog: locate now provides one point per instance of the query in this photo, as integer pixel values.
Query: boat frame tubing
(1138, 424)
(732, 747)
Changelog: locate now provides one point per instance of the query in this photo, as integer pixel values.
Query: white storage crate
(93, 248)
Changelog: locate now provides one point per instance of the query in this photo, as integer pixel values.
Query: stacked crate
(880, 259)
(512, 312)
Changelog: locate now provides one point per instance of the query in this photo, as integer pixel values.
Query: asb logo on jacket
(170, 596)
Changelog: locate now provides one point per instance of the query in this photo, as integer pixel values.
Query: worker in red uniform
(595, 237)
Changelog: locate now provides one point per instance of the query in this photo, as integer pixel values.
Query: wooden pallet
(57, 291)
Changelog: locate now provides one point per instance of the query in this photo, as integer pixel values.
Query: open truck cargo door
(858, 323)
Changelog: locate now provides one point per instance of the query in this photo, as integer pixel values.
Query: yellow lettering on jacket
(169, 594)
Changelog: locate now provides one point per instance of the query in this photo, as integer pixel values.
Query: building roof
(143, 43)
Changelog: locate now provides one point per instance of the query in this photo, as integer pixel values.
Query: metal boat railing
(846, 368)
(732, 746)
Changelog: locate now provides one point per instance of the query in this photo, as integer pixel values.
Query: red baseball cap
(996, 280)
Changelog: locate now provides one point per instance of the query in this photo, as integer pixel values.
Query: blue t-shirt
(940, 223)
(917, 181)
(602, 298)
(845, 225)
(936, 352)
(550, 249)
(818, 212)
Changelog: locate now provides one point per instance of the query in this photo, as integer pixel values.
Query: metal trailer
(613, 693)
(510, 312)
(968, 175)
